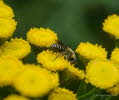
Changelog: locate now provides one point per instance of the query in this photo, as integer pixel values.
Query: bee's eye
(72, 59)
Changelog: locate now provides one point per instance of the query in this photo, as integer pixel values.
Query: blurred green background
(74, 21)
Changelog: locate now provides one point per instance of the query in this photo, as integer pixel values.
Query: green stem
(87, 94)
(108, 98)
(79, 91)
(94, 97)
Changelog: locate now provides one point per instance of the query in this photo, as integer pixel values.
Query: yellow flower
(62, 94)
(76, 73)
(35, 81)
(115, 56)
(114, 90)
(102, 73)
(9, 68)
(89, 51)
(47, 59)
(41, 37)
(15, 97)
(16, 47)
(110, 25)
(7, 27)
(54, 80)
(2, 3)
(5, 11)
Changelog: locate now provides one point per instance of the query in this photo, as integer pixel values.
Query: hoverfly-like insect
(67, 52)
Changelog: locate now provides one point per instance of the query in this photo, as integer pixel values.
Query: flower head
(90, 51)
(7, 27)
(62, 94)
(110, 25)
(15, 97)
(115, 56)
(48, 60)
(9, 68)
(102, 73)
(5, 11)
(35, 81)
(114, 90)
(16, 47)
(75, 72)
(41, 37)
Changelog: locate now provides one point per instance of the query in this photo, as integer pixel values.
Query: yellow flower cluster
(48, 60)
(111, 25)
(35, 81)
(43, 79)
(62, 94)
(7, 23)
(88, 51)
(102, 73)
(41, 37)
(15, 97)
(16, 47)
(32, 80)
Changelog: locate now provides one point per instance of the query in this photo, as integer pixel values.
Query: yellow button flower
(62, 94)
(114, 90)
(7, 27)
(35, 81)
(75, 73)
(115, 56)
(102, 73)
(16, 47)
(111, 25)
(41, 37)
(89, 51)
(48, 60)
(5, 11)
(9, 68)
(15, 97)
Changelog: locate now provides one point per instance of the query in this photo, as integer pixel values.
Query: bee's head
(72, 60)
(72, 57)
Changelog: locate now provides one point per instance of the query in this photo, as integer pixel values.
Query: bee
(67, 52)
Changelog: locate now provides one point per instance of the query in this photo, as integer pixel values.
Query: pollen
(49, 60)
(110, 25)
(35, 81)
(7, 27)
(16, 47)
(41, 37)
(98, 73)
(89, 51)
(62, 94)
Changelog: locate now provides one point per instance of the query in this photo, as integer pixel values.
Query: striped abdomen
(58, 47)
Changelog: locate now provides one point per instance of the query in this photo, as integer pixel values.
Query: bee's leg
(60, 54)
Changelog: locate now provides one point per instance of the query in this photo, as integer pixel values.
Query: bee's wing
(60, 54)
